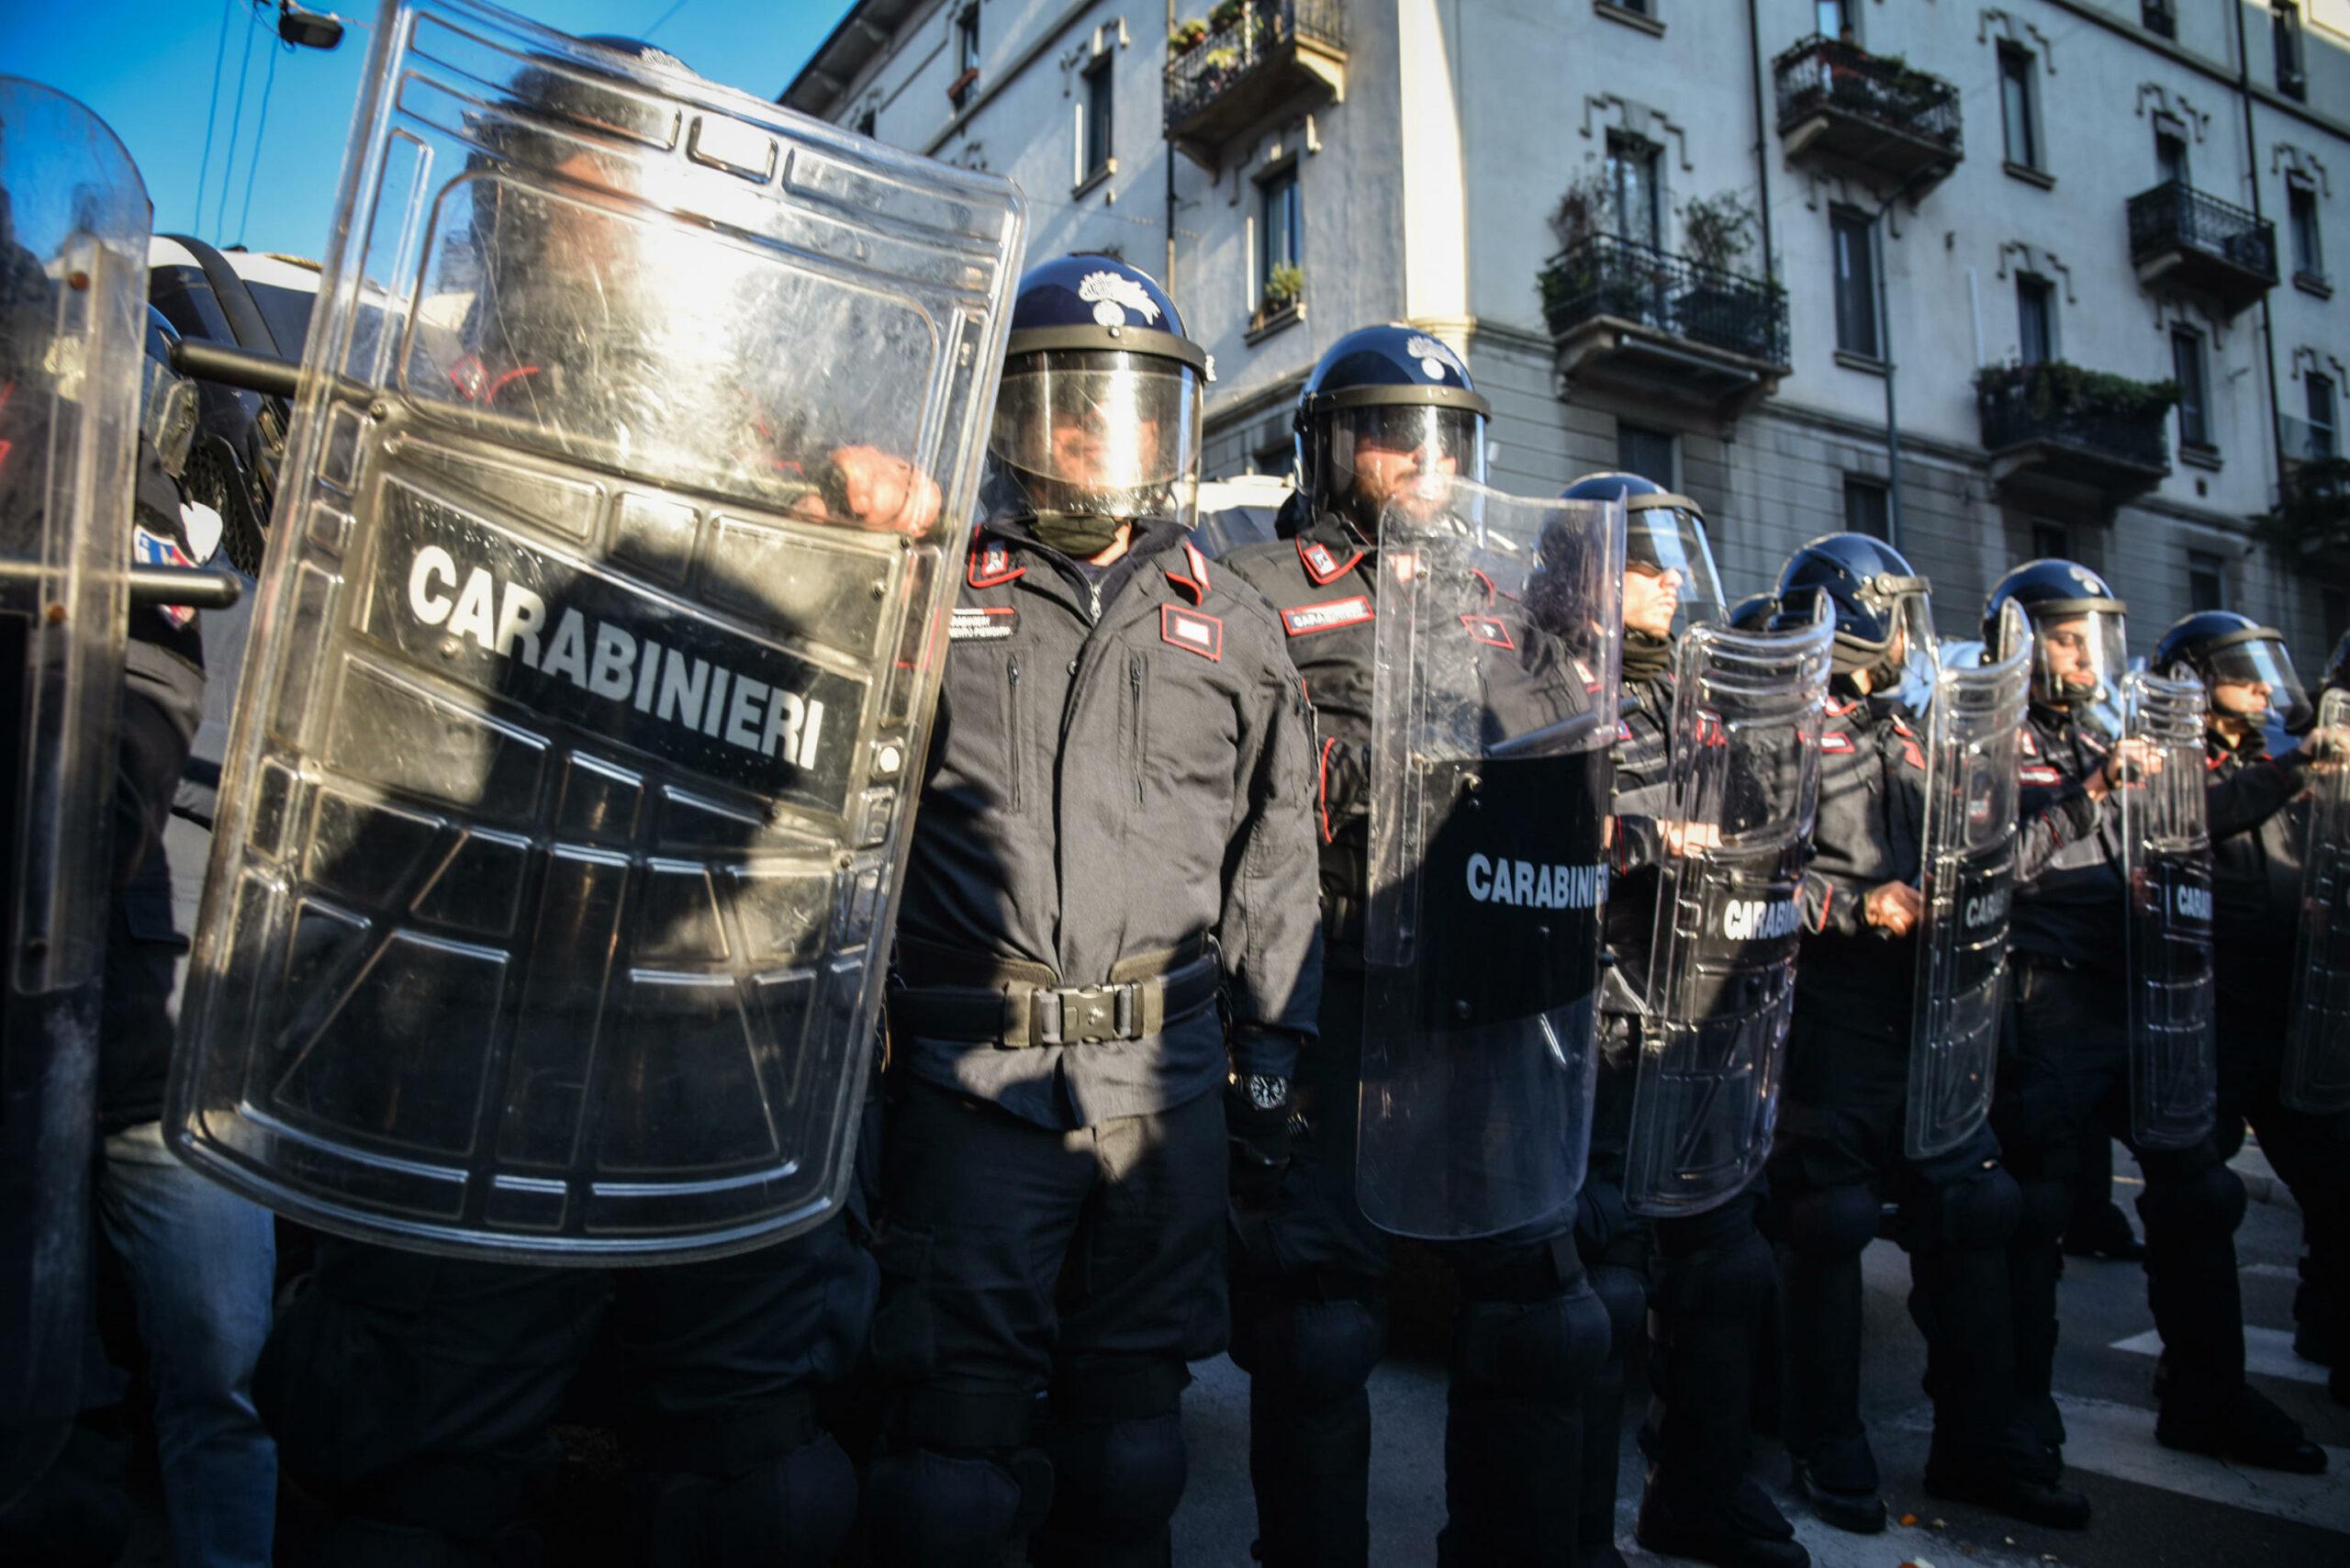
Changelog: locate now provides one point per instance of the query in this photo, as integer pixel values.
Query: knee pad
(789, 1508)
(1117, 1481)
(2042, 1206)
(1310, 1352)
(925, 1507)
(1977, 1212)
(1732, 1277)
(2208, 1202)
(1835, 1222)
(1544, 1350)
(1625, 1297)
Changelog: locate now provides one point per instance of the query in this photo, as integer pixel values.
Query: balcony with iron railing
(1866, 114)
(2313, 508)
(1626, 315)
(1256, 56)
(2071, 433)
(2182, 239)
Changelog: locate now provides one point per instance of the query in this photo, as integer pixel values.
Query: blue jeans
(202, 1264)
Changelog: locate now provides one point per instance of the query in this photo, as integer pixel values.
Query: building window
(967, 39)
(1867, 506)
(2317, 394)
(2035, 318)
(1855, 284)
(2170, 153)
(2308, 250)
(2016, 107)
(2051, 542)
(2187, 369)
(2284, 28)
(1645, 451)
(1831, 18)
(2207, 581)
(1093, 119)
(1280, 227)
(1632, 183)
(2160, 16)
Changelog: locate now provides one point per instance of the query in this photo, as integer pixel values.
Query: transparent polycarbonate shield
(1967, 877)
(1742, 788)
(563, 817)
(2166, 862)
(72, 298)
(1493, 714)
(2317, 1050)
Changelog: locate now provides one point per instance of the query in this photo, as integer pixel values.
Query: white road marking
(2266, 1352)
(2119, 1440)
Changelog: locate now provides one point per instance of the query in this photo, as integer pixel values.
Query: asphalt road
(2155, 1508)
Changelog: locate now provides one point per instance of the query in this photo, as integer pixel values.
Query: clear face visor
(1101, 432)
(2078, 660)
(2254, 680)
(1917, 653)
(1414, 451)
(1669, 576)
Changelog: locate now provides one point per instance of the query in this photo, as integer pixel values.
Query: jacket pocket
(1138, 722)
(1014, 741)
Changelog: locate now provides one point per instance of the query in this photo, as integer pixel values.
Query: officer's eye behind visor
(1097, 421)
(1658, 540)
(1434, 437)
(2260, 662)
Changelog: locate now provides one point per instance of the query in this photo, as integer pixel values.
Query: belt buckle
(1076, 1015)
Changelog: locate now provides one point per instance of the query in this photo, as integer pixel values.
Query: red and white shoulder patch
(1194, 576)
(1835, 742)
(991, 565)
(1488, 630)
(1305, 620)
(1321, 562)
(1192, 631)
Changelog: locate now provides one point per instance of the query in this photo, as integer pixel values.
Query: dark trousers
(416, 1392)
(2065, 1077)
(1309, 1307)
(1838, 1157)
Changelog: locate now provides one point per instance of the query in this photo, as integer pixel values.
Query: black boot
(2248, 1429)
(1841, 1503)
(1742, 1530)
(2002, 1489)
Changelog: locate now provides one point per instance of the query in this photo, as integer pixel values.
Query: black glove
(1258, 1120)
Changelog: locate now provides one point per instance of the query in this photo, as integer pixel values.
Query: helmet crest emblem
(1112, 295)
(1433, 355)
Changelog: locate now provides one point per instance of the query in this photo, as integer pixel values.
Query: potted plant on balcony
(1720, 306)
(1281, 299)
(1226, 14)
(1587, 277)
(1187, 35)
(2058, 401)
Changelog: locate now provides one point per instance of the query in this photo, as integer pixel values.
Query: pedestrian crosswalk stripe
(2267, 1353)
(2114, 1440)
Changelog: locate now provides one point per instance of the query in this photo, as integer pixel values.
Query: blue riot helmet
(1664, 538)
(1386, 408)
(1884, 619)
(1097, 423)
(1754, 612)
(2242, 664)
(2078, 627)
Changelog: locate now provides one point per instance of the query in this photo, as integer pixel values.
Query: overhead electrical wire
(261, 136)
(236, 123)
(212, 116)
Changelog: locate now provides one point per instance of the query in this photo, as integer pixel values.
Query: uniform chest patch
(1488, 630)
(1192, 632)
(151, 549)
(2042, 774)
(1835, 742)
(1304, 620)
(983, 623)
(1321, 562)
(991, 565)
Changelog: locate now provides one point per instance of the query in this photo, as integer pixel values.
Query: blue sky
(146, 68)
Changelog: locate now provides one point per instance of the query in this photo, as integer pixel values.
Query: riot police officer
(1840, 1153)
(1114, 830)
(2063, 1071)
(2257, 850)
(1387, 409)
(1712, 1271)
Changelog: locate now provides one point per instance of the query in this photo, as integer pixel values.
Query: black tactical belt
(941, 994)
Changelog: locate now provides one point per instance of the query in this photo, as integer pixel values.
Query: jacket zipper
(1134, 682)
(1012, 722)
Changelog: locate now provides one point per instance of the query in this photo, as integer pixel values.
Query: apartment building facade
(2000, 280)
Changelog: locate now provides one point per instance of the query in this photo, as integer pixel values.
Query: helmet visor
(2077, 661)
(1106, 431)
(2254, 679)
(1916, 654)
(1666, 558)
(1401, 450)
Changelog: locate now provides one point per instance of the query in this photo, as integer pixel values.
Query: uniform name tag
(1835, 744)
(981, 623)
(1192, 632)
(1304, 620)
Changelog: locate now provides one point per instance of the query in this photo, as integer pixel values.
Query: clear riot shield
(563, 816)
(1967, 870)
(2166, 863)
(1493, 715)
(73, 325)
(1743, 788)
(2317, 1050)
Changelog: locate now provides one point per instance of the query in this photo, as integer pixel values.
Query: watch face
(1267, 1094)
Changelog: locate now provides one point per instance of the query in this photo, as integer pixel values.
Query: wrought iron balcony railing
(1265, 31)
(2108, 425)
(2313, 504)
(2175, 221)
(1608, 275)
(1876, 97)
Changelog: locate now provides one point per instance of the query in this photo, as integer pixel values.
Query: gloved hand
(1258, 1119)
